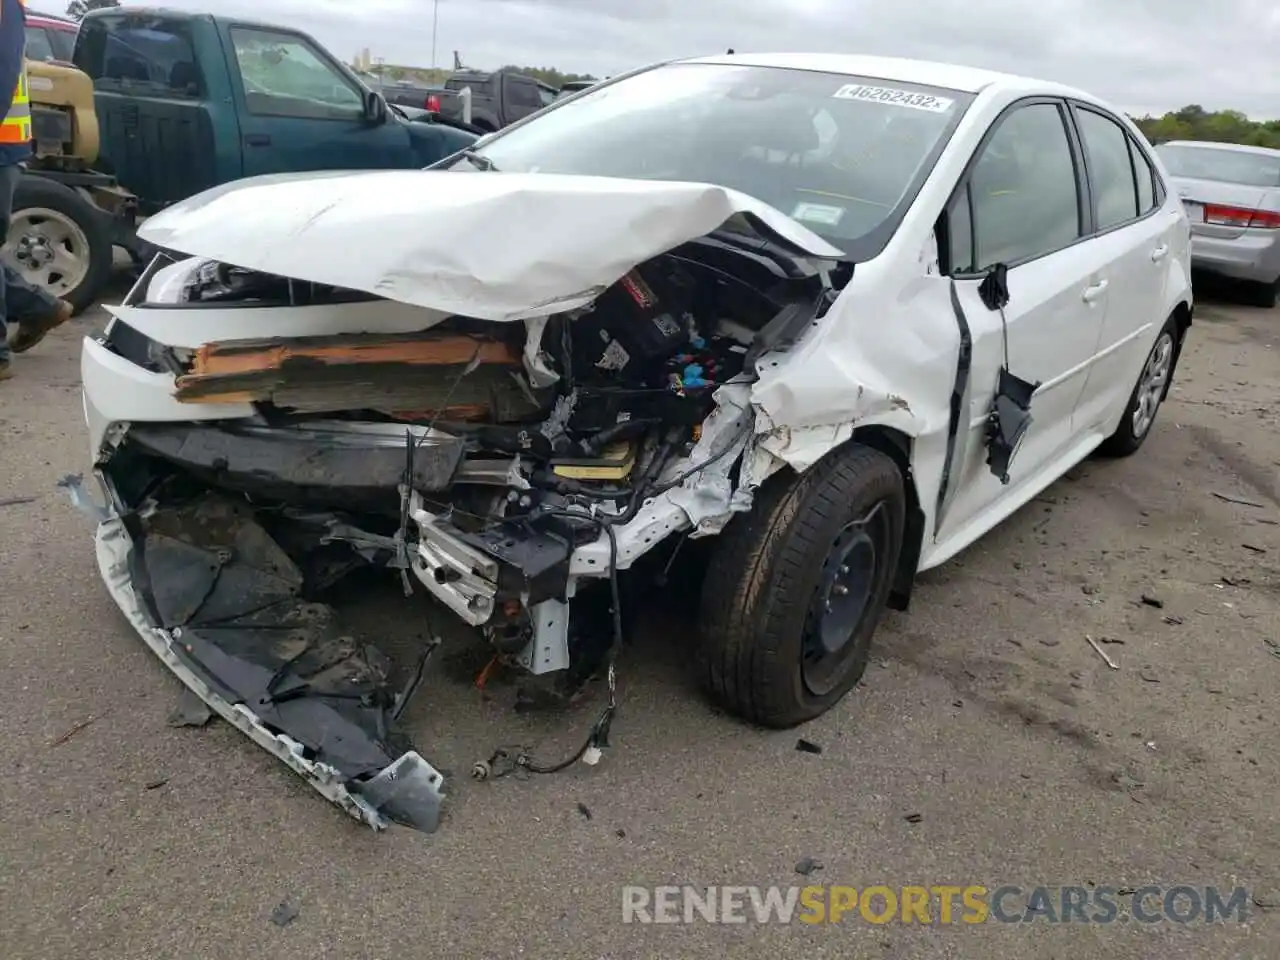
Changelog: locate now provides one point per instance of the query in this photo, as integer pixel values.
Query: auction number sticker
(897, 98)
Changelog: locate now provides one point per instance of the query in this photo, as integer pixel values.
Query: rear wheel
(796, 587)
(1263, 295)
(59, 241)
(1148, 394)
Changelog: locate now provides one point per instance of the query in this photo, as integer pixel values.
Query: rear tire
(1262, 295)
(796, 586)
(1147, 396)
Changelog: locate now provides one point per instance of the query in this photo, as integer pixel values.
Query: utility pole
(435, 17)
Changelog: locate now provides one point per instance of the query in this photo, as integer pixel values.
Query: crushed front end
(504, 468)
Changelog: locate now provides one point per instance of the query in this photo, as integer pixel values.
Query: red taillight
(1240, 217)
(433, 103)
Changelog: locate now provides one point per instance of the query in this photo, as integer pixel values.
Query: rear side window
(1110, 168)
(147, 54)
(523, 94)
(39, 45)
(480, 86)
(1023, 195)
(63, 43)
(1145, 175)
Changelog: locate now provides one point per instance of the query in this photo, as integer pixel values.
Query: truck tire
(58, 240)
(796, 587)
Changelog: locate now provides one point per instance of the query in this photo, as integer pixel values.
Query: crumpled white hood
(490, 245)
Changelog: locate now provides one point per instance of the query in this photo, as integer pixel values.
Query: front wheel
(796, 586)
(59, 241)
(1148, 394)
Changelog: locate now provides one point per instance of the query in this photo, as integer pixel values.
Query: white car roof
(1230, 147)
(902, 70)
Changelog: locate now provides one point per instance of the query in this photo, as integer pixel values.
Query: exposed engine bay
(504, 468)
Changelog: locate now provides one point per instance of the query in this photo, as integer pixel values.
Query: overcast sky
(1143, 55)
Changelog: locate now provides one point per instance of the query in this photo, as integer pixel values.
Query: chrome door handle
(1159, 253)
(1093, 292)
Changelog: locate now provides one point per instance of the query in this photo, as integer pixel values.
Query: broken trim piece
(386, 791)
(964, 358)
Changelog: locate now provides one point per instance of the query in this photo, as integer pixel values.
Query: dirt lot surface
(989, 743)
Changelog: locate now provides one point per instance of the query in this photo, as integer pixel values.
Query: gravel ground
(989, 744)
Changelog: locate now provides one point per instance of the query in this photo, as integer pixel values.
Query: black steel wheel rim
(847, 586)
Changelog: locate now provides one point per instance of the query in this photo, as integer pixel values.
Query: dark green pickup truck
(189, 101)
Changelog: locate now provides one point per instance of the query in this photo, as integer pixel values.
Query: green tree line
(1193, 122)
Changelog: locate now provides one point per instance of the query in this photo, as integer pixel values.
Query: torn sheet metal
(218, 601)
(473, 244)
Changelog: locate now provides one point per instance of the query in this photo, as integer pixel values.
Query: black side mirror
(375, 109)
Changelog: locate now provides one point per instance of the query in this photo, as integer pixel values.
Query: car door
(1022, 203)
(1137, 239)
(300, 111)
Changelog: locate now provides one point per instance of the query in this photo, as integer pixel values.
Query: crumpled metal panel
(220, 602)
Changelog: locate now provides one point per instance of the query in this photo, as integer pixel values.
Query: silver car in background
(1232, 198)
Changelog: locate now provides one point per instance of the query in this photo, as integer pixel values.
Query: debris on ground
(620, 834)
(59, 741)
(807, 866)
(1102, 653)
(1049, 641)
(1173, 621)
(807, 746)
(190, 711)
(1148, 674)
(15, 501)
(1254, 549)
(1236, 581)
(1244, 503)
(1115, 640)
(1273, 646)
(284, 914)
(1151, 601)
(1089, 589)
(584, 810)
(913, 817)
(155, 784)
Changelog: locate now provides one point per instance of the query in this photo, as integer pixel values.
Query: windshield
(1227, 166)
(842, 155)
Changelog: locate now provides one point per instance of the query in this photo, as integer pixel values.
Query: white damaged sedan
(837, 315)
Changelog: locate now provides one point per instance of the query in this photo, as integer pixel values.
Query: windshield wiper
(478, 160)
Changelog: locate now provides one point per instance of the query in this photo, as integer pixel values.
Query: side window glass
(1110, 168)
(523, 94)
(285, 76)
(39, 47)
(1145, 175)
(151, 55)
(1025, 199)
(960, 235)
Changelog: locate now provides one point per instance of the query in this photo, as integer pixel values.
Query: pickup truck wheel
(58, 240)
(796, 587)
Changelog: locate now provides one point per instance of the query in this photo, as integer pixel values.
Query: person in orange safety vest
(31, 310)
